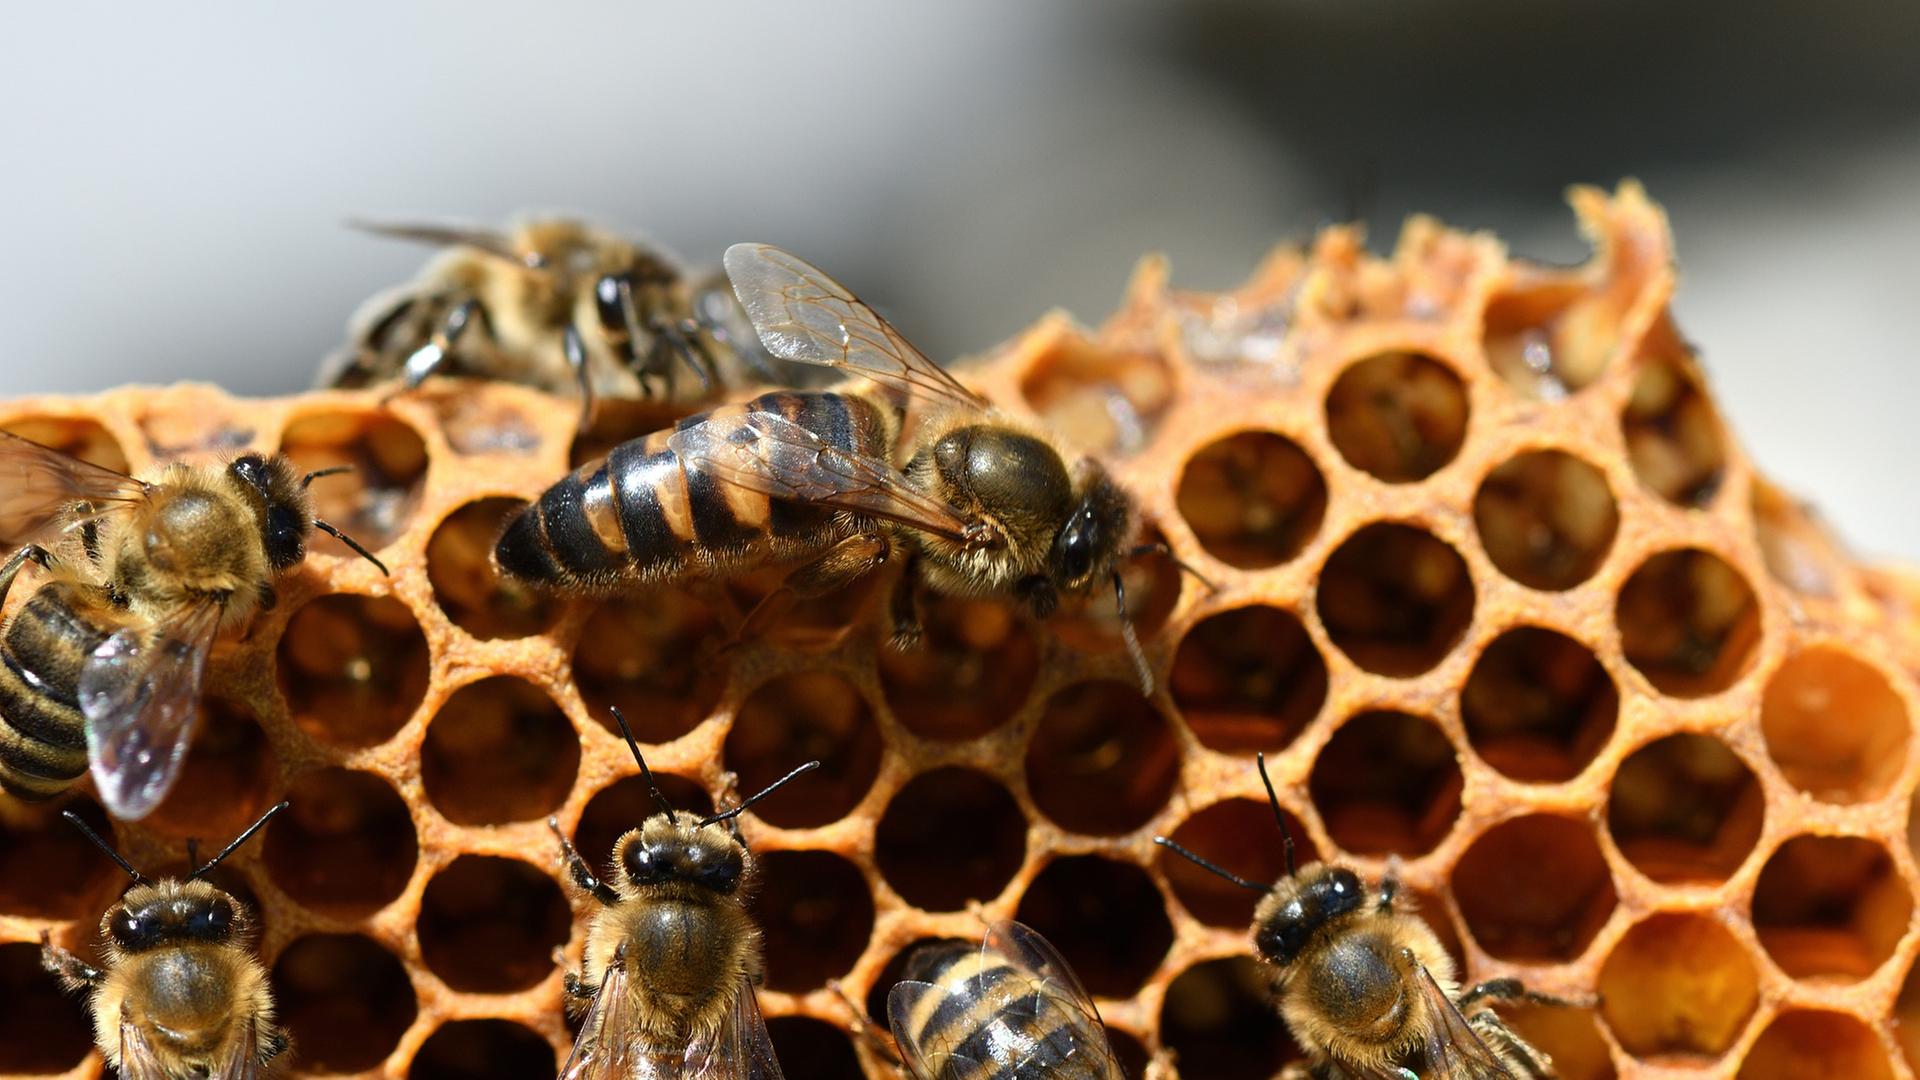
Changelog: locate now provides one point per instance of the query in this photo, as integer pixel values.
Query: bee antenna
(1137, 654)
(1161, 549)
(1212, 868)
(74, 820)
(193, 850)
(729, 815)
(352, 543)
(1279, 818)
(446, 236)
(331, 470)
(245, 835)
(653, 788)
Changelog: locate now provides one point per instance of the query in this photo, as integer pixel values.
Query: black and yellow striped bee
(1365, 985)
(558, 305)
(1009, 1008)
(181, 995)
(672, 957)
(837, 483)
(103, 663)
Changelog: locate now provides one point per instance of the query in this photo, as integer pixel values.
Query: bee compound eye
(127, 929)
(646, 863)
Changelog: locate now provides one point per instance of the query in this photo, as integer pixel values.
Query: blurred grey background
(175, 179)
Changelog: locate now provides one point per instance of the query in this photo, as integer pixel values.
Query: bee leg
(1494, 1031)
(904, 604)
(1511, 989)
(275, 1044)
(579, 871)
(11, 570)
(73, 972)
(865, 1029)
(1389, 887)
(576, 351)
(844, 563)
(429, 358)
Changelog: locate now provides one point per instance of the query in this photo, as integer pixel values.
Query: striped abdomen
(988, 1019)
(43, 743)
(638, 515)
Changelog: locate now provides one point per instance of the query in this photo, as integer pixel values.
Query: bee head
(1302, 906)
(280, 502)
(667, 851)
(1088, 546)
(173, 913)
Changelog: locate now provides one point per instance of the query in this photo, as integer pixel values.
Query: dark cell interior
(43, 1029)
(1546, 518)
(498, 751)
(1689, 622)
(1395, 599)
(816, 913)
(1248, 679)
(1534, 888)
(1685, 808)
(1253, 499)
(48, 870)
(972, 670)
(1387, 783)
(1218, 1017)
(483, 1050)
(1815, 1042)
(1102, 759)
(1398, 416)
(353, 668)
(465, 583)
(1241, 837)
(345, 1000)
(1105, 917)
(1538, 706)
(792, 719)
(1830, 907)
(490, 925)
(374, 501)
(658, 659)
(1674, 440)
(948, 837)
(346, 847)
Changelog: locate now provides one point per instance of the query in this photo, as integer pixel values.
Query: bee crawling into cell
(104, 662)
(1365, 986)
(181, 995)
(905, 466)
(672, 958)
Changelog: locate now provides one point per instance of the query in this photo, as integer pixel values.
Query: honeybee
(971, 501)
(1009, 1008)
(672, 958)
(182, 996)
(1366, 988)
(554, 304)
(104, 662)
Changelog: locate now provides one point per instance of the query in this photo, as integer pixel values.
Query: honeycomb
(1492, 585)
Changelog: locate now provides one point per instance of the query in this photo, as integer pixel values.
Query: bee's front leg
(73, 972)
(904, 606)
(579, 871)
(31, 552)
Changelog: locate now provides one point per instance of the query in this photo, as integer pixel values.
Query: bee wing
(933, 1056)
(805, 316)
(242, 1060)
(1023, 947)
(138, 1061)
(1454, 1050)
(765, 452)
(140, 694)
(42, 488)
(740, 1050)
(606, 1049)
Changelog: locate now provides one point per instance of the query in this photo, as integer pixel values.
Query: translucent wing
(1454, 1050)
(930, 1057)
(767, 453)
(1023, 947)
(741, 1050)
(242, 1060)
(605, 1050)
(805, 316)
(42, 488)
(140, 693)
(137, 1058)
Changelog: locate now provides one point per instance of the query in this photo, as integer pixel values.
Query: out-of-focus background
(175, 179)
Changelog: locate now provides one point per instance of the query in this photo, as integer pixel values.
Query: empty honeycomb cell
(483, 1050)
(1550, 342)
(47, 869)
(805, 716)
(353, 668)
(1102, 759)
(346, 846)
(1101, 400)
(1688, 622)
(816, 913)
(1571, 1037)
(1090, 622)
(1802, 1043)
(374, 502)
(73, 435)
(1535, 888)
(345, 1000)
(811, 1049)
(1128, 1051)
(624, 805)
(1678, 988)
(1238, 835)
(1685, 809)
(1395, 599)
(659, 662)
(1673, 437)
(1546, 518)
(1387, 783)
(1798, 551)
(1398, 416)
(480, 424)
(490, 925)
(1830, 906)
(1834, 726)
(43, 1029)
(1253, 499)
(1104, 916)
(1218, 1019)
(950, 836)
(970, 673)
(226, 780)
(1248, 679)
(466, 584)
(1538, 706)
(499, 750)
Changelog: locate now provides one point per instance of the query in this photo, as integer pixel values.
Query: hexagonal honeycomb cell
(1476, 562)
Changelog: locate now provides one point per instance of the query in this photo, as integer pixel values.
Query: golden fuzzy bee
(672, 958)
(1366, 987)
(1009, 1008)
(557, 305)
(182, 996)
(973, 502)
(103, 663)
